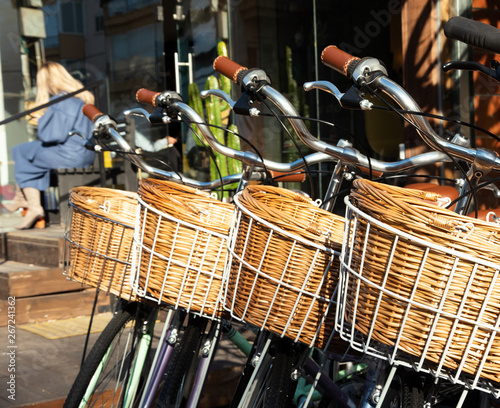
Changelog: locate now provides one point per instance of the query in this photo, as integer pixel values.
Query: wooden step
(37, 246)
(43, 293)
(3, 246)
(35, 309)
(24, 280)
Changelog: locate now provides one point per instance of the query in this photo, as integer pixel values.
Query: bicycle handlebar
(172, 100)
(367, 71)
(345, 153)
(473, 33)
(103, 123)
(285, 172)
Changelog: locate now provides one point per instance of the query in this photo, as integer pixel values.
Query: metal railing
(52, 102)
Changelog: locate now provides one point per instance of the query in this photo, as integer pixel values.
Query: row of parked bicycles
(394, 304)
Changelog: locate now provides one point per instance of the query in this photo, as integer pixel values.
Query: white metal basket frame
(138, 248)
(107, 258)
(365, 344)
(229, 305)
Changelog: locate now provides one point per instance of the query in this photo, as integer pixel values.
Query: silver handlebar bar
(370, 73)
(343, 152)
(483, 159)
(105, 122)
(248, 158)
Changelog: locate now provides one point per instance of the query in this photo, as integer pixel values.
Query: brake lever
(219, 94)
(350, 99)
(87, 143)
(241, 107)
(137, 112)
(493, 72)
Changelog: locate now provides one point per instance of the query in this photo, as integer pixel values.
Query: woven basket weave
(423, 279)
(181, 240)
(284, 264)
(99, 239)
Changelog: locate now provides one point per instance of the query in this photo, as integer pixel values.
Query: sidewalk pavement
(43, 368)
(45, 360)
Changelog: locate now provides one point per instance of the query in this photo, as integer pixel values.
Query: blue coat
(55, 149)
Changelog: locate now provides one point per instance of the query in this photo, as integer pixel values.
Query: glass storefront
(167, 44)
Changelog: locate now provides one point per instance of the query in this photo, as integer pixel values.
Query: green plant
(216, 113)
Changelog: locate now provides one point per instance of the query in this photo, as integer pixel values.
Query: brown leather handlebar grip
(146, 96)
(295, 176)
(91, 112)
(337, 59)
(483, 214)
(228, 68)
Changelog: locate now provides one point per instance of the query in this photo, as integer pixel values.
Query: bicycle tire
(406, 392)
(94, 379)
(175, 381)
(272, 386)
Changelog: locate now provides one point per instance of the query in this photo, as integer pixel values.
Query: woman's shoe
(40, 223)
(35, 210)
(18, 202)
(32, 219)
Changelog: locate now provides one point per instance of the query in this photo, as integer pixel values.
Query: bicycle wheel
(113, 372)
(176, 382)
(406, 391)
(272, 385)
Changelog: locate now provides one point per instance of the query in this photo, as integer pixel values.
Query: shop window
(51, 25)
(133, 54)
(71, 17)
(115, 7)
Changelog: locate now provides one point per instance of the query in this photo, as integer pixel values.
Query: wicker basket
(181, 247)
(423, 280)
(284, 264)
(98, 242)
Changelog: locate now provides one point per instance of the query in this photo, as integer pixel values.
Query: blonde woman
(55, 148)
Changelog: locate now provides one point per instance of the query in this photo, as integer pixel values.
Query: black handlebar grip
(474, 33)
(146, 96)
(91, 112)
(228, 68)
(339, 60)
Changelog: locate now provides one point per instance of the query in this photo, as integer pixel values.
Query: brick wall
(486, 90)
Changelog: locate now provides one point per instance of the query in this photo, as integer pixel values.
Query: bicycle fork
(208, 346)
(375, 392)
(142, 350)
(169, 340)
(162, 356)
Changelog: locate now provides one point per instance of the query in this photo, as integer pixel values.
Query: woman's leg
(35, 209)
(31, 167)
(18, 202)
